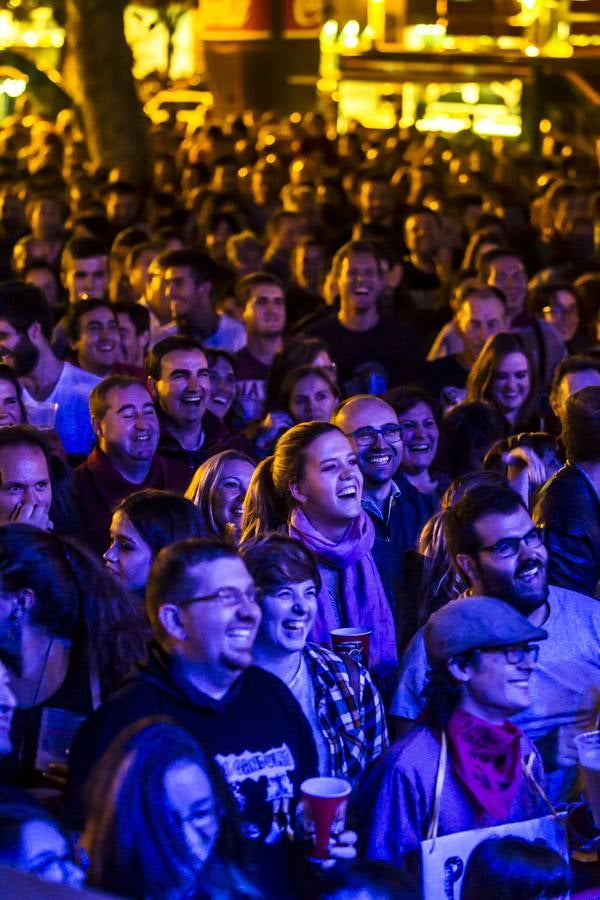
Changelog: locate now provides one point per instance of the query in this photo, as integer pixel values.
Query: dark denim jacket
(568, 508)
(408, 512)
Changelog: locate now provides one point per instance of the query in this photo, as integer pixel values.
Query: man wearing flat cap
(497, 551)
(481, 653)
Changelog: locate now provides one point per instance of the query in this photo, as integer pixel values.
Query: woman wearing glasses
(559, 305)
(465, 765)
(33, 842)
(313, 486)
(161, 820)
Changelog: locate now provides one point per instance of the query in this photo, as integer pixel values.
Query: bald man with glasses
(396, 508)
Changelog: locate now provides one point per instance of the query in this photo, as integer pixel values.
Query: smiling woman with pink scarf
(313, 484)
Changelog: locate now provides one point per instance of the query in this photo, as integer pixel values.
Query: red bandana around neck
(487, 759)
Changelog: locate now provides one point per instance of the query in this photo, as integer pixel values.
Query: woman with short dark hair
(337, 695)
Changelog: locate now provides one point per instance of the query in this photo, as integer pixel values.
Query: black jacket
(216, 439)
(257, 733)
(568, 509)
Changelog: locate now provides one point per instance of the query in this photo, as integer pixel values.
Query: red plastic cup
(352, 642)
(324, 802)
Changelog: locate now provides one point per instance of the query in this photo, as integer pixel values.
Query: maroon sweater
(101, 487)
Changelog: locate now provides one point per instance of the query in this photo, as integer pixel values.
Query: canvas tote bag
(444, 859)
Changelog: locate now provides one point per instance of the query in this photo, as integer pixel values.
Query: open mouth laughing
(350, 492)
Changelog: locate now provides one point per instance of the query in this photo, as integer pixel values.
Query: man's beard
(508, 588)
(25, 355)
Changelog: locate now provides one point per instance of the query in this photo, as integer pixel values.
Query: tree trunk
(115, 126)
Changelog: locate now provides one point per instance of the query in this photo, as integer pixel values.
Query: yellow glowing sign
(329, 31)
(444, 124)
(13, 87)
(349, 35)
(496, 128)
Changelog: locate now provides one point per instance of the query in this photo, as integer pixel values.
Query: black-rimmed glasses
(516, 655)
(225, 596)
(509, 546)
(366, 436)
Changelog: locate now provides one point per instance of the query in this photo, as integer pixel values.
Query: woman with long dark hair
(72, 633)
(309, 394)
(297, 352)
(161, 821)
(142, 524)
(504, 375)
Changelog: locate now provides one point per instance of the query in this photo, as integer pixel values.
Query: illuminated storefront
(447, 75)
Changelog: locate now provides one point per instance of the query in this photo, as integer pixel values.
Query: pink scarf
(363, 601)
(487, 759)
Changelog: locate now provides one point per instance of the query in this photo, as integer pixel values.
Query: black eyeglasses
(225, 596)
(516, 655)
(509, 546)
(366, 436)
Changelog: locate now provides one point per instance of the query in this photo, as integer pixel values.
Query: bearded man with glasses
(396, 508)
(493, 543)
(202, 605)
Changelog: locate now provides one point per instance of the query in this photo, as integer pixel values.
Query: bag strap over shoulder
(437, 794)
(527, 766)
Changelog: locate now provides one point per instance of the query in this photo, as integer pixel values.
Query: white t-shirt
(72, 393)
(303, 690)
(229, 335)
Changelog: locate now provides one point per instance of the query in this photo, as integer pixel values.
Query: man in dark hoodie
(201, 602)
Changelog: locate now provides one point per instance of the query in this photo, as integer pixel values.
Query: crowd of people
(298, 381)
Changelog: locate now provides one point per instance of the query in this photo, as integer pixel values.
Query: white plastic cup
(42, 415)
(588, 750)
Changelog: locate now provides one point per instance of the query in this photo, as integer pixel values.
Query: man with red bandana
(481, 653)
